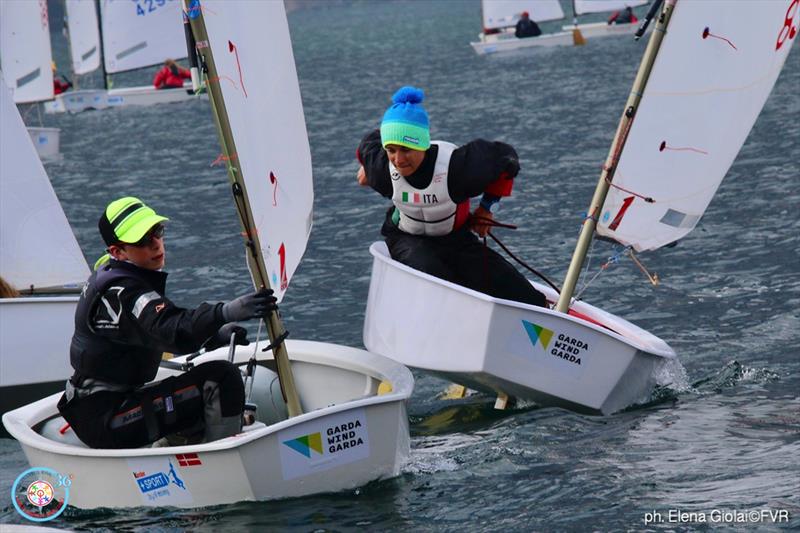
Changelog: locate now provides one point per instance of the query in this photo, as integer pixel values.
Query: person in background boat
(171, 76)
(625, 16)
(59, 85)
(124, 323)
(526, 27)
(430, 184)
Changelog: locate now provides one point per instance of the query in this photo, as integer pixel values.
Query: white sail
(716, 67)
(84, 35)
(25, 49)
(599, 6)
(253, 53)
(504, 13)
(140, 33)
(37, 246)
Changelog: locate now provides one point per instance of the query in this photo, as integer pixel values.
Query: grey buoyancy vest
(429, 211)
(103, 357)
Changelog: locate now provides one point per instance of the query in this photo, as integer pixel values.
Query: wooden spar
(254, 259)
(607, 174)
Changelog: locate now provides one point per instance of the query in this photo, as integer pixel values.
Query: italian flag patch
(413, 198)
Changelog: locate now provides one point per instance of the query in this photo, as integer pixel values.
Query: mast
(607, 175)
(577, 36)
(102, 49)
(277, 333)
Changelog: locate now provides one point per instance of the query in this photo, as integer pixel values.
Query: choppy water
(726, 437)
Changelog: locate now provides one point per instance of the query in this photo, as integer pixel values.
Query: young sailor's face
(405, 160)
(149, 255)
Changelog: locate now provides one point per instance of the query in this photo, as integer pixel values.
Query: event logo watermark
(41, 494)
(717, 516)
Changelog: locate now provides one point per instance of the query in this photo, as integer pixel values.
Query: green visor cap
(127, 220)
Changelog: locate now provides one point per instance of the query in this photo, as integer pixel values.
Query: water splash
(735, 373)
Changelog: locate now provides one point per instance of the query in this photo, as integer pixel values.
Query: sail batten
(694, 117)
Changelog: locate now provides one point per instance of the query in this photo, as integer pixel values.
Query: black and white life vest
(429, 211)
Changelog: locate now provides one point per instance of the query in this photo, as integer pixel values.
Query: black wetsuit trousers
(461, 258)
(107, 419)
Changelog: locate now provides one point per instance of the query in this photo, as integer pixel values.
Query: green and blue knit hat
(405, 123)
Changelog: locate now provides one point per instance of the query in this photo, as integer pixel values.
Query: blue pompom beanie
(405, 123)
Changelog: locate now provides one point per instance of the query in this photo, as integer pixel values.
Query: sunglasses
(156, 233)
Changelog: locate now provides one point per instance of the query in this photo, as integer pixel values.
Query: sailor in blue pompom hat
(429, 226)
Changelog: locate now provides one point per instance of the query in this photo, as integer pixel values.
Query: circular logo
(40, 494)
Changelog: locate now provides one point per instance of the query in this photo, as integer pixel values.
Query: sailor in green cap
(123, 324)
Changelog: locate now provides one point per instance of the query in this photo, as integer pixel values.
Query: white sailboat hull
(46, 140)
(363, 437)
(602, 29)
(506, 41)
(146, 95)
(35, 350)
(492, 345)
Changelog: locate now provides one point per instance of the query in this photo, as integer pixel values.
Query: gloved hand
(254, 305)
(223, 337)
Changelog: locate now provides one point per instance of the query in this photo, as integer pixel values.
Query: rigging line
(647, 199)
(492, 222)
(588, 262)
(610, 261)
(653, 278)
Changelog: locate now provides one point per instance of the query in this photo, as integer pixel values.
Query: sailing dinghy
(40, 257)
(682, 127)
(131, 35)
(347, 423)
(26, 58)
(500, 18)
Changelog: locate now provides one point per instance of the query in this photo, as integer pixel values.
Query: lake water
(724, 438)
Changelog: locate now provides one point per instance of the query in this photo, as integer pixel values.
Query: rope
(610, 261)
(492, 222)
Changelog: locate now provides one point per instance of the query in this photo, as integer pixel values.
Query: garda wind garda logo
(564, 347)
(319, 445)
(41, 494)
(306, 444)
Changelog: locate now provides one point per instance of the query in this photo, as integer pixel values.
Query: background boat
(40, 257)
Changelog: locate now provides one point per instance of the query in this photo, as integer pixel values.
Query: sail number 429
(143, 7)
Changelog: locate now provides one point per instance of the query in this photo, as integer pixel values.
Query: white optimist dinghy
(682, 127)
(500, 18)
(131, 35)
(347, 423)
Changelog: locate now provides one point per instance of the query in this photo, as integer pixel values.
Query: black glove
(254, 305)
(510, 166)
(223, 337)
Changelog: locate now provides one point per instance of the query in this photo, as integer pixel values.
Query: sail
(37, 246)
(253, 53)
(140, 33)
(599, 6)
(84, 35)
(25, 52)
(504, 13)
(695, 115)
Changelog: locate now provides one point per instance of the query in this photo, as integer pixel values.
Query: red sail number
(789, 30)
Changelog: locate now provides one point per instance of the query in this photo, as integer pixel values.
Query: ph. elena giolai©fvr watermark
(41, 494)
(717, 516)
